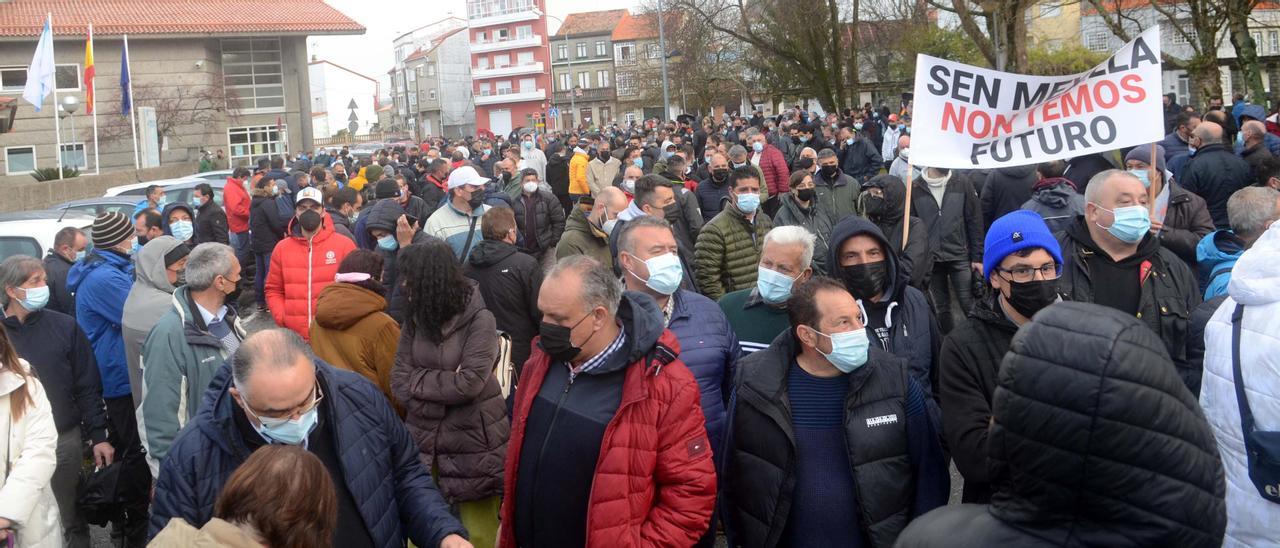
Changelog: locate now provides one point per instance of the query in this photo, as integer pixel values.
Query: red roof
(642, 26)
(590, 22)
(25, 18)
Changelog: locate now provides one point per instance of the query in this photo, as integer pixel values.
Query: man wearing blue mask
(274, 391)
(824, 425)
(728, 247)
(1112, 258)
(758, 314)
(647, 253)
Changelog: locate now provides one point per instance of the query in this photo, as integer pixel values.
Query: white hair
(793, 235)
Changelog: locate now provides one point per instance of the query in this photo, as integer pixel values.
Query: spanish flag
(88, 73)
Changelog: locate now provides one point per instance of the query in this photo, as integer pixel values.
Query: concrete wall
(31, 194)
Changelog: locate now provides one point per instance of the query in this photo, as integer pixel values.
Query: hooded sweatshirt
(1056, 201)
(916, 259)
(352, 331)
(149, 299)
(1216, 257)
(164, 219)
(901, 321)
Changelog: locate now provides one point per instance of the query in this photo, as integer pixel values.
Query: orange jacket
(299, 271)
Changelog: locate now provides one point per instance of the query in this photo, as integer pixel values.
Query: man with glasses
(276, 392)
(1021, 262)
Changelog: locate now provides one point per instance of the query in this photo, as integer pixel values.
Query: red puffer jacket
(235, 200)
(299, 271)
(776, 174)
(655, 482)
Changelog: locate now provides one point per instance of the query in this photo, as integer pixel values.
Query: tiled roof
(22, 18)
(590, 22)
(639, 27)
(435, 43)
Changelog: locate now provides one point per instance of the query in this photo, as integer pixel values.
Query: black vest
(760, 470)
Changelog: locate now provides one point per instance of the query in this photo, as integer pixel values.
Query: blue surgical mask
(638, 162)
(182, 230)
(849, 141)
(804, 139)
(36, 298)
(388, 243)
(758, 147)
(1143, 175)
(1131, 225)
(774, 287)
(857, 126)
(527, 145)
(667, 154)
(288, 431)
(848, 349)
(748, 202)
(136, 247)
(81, 254)
(1191, 151)
(665, 273)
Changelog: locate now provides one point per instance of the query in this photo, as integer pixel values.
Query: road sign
(353, 117)
(553, 112)
(540, 125)
(353, 126)
(352, 105)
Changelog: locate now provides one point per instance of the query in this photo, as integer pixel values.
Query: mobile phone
(413, 221)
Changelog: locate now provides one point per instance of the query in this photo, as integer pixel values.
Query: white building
(333, 89)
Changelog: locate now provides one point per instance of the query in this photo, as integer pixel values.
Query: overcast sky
(386, 19)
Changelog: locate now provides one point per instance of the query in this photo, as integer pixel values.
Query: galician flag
(126, 91)
(88, 73)
(40, 80)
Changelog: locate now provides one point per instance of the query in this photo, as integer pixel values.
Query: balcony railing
(584, 95)
(508, 70)
(509, 43)
(509, 96)
(484, 18)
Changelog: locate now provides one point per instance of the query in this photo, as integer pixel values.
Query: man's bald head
(1209, 133)
(1253, 129)
(612, 198)
(904, 142)
(268, 350)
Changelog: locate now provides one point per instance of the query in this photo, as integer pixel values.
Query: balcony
(514, 14)
(509, 70)
(510, 43)
(509, 96)
(584, 95)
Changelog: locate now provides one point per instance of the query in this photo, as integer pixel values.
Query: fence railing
(357, 139)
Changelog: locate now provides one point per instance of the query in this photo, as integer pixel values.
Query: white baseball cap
(466, 175)
(310, 193)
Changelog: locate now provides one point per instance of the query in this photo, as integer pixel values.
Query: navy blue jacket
(709, 348)
(101, 283)
(396, 495)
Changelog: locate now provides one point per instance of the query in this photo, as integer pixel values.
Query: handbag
(1262, 449)
(503, 368)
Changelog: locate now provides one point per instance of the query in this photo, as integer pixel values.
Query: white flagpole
(133, 105)
(97, 166)
(57, 125)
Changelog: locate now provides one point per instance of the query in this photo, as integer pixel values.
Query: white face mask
(531, 187)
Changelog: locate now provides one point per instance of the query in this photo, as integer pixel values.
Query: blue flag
(126, 100)
(40, 79)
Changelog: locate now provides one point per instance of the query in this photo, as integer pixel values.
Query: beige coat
(215, 534)
(600, 175)
(29, 457)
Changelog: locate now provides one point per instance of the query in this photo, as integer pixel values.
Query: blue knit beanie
(1015, 231)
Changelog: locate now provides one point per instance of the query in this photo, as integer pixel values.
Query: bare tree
(997, 27)
(1237, 16)
(705, 67)
(1197, 22)
(177, 107)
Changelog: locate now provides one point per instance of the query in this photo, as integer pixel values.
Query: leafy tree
(1059, 61)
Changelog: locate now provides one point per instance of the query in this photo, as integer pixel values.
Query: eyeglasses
(316, 397)
(1023, 274)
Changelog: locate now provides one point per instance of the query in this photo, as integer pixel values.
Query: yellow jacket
(358, 181)
(578, 174)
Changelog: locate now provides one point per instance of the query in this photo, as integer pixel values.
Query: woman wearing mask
(159, 268)
(351, 329)
(282, 496)
(444, 378)
(800, 207)
(28, 511)
(267, 228)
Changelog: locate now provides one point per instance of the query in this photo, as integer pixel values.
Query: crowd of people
(668, 334)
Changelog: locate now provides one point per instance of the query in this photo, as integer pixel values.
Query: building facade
(334, 89)
(637, 58)
(582, 69)
(510, 64)
(242, 87)
(431, 80)
(1054, 23)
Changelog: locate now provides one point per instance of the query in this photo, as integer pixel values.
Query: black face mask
(866, 280)
(719, 175)
(805, 194)
(557, 340)
(829, 171)
(310, 220)
(873, 207)
(477, 199)
(671, 213)
(605, 156)
(1030, 297)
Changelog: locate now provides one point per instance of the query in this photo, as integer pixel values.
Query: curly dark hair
(434, 285)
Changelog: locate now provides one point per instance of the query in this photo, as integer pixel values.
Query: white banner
(969, 117)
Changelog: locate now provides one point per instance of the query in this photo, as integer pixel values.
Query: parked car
(98, 206)
(218, 175)
(32, 232)
(175, 190)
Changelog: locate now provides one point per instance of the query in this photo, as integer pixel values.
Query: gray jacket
(148, 300)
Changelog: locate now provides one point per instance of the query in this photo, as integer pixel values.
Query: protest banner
(968, 117)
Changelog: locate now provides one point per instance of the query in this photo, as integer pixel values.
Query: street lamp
(573, 106)
(70, 104)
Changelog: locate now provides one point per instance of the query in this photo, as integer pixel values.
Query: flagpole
(97, 165)
(133, 108)
(57, 126)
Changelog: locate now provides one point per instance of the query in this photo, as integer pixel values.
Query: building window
(500, 61)
(503, 87)
(624, 54)
(625, 84)
(251, 142)
(431, 69)
(528, 85)
(431, 95)
(1257, 41)
(18, 160)
(482, 37)
(1273, 39)
(484, 89)
(524, 58)
(492, 8)
(631, 117)
(1178, 37)
(1098, 40)
(602, 77)
(581, 50)
(482, 62)
(566, 81)
(601, 49)
(584, 80)
(73, 155)
(524, 31)
(1051, 10)
(652, 51)
(67, 78)
(253, 75)
(501, 34)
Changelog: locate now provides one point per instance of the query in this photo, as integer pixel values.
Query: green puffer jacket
(728, 251)
(582, 238)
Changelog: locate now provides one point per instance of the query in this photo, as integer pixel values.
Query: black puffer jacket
(1082, 168)
(954, 226)
(549, 216)
(1095, 443)
(1006, 189)
(967, 371)
(1215, 173)
(265, 222)
(509, 281)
